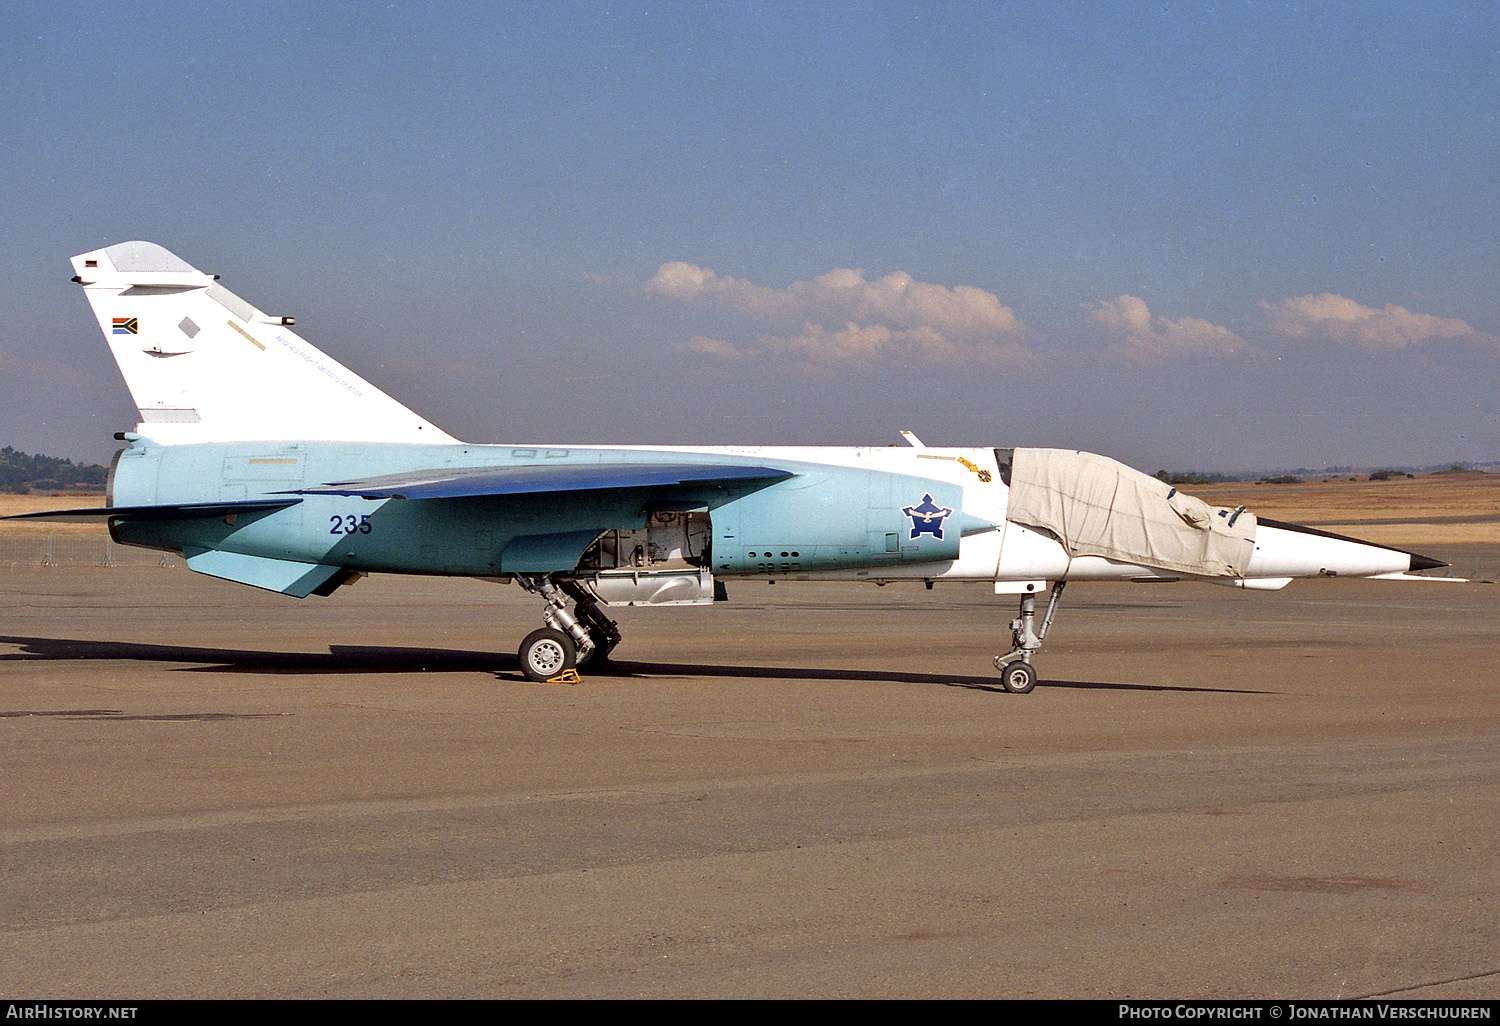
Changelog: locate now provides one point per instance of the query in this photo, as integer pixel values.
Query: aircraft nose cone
(1293, 550)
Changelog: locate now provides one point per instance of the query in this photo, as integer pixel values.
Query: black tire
(547, 654)
(1018, 678)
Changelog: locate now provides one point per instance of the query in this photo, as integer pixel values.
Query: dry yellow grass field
(1450, 507)
(11, 505)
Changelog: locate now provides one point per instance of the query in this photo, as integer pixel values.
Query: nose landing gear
(1017, 675)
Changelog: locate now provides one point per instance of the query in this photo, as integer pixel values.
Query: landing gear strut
(553, 654)
(602, 631)
(1017, 675)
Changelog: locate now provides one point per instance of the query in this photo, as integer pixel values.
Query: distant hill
(21, 473)
(1282, 475)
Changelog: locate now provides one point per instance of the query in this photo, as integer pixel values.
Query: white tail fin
(205, 366)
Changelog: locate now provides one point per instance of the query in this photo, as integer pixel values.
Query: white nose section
(1291, 551)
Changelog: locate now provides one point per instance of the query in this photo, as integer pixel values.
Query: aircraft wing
(178, 511)
(588, 498)
(479, 482)
(457, 483)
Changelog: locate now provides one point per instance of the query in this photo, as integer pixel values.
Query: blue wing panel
(178, 511)
(474, 482)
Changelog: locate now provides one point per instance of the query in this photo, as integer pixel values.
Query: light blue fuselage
(822, 517)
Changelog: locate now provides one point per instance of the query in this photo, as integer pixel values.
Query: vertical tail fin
(203, 365)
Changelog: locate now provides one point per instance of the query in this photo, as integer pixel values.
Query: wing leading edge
(459, 483)
(174, 511)
(481, 482)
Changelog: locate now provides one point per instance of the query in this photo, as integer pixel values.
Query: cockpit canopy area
(1100, 507)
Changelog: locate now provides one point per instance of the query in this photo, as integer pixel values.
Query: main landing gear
(1017, 675)
(552, 654)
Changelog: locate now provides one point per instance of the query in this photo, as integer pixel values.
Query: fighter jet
(262, 460)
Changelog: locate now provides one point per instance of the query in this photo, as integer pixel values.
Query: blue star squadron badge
(927, 518)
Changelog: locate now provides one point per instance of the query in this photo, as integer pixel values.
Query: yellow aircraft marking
(984, 475)
(252, 339)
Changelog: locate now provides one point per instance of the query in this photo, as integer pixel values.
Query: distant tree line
(21, 472)
(1190, 478)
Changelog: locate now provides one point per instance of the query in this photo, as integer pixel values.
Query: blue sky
(1195, 236)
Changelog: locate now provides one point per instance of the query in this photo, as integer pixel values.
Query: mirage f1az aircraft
(262, 460)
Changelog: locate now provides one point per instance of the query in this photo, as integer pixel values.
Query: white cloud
(876, 343)
(862, 342)
(690, 283)
(1342, 321)
(847, 317)
(713, 347)
(1141, 338)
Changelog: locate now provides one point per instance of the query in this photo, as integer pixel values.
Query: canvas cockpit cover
(1097, 506)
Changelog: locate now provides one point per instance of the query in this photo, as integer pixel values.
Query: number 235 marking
(350, 524)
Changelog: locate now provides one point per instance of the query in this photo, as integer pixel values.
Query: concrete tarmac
(812, 791)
